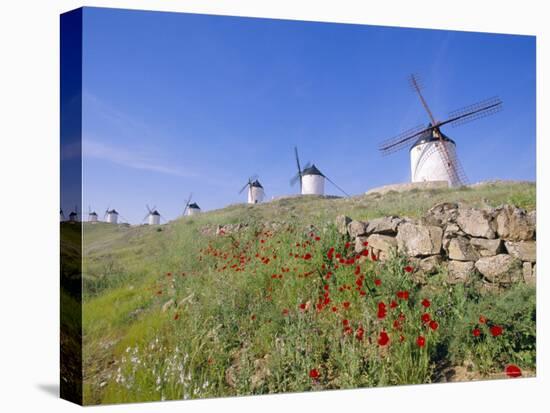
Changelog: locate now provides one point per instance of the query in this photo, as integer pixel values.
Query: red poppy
(476, 332)
(176, 316)
(426, 302)
(302, 306)
(482, 320)
(285, 311)
(426, 318)
(374, 257)
(383, 339)
(314, 374)
(359, 333)
(345, 322)
(347, 245)
(404, 295)
(330, 253)
(408, 268)
(434, 325)
(365, 244)
(378, 282)
(307, 256)
(365, 253)
(381, 310)
(357, 270)
(420, 341)
(513, 371)
(334, 309)
(346, 304)
(393, 304)
(496, 330)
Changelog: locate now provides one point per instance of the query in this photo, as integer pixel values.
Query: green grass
(233, 336)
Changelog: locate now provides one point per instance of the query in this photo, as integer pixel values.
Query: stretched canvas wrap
(254, 206)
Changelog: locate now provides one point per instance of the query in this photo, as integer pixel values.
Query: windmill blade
(340, 189)
(297, 160)
(452, 166)
(187, 203)
(253, 178)
(145, 217)
(417, 86)
(244, 187)
(295, 179)
(473, 112)
(307, 166)
(403, 139)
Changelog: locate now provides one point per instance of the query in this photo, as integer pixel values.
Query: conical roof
(155, 212)
(112, 211)
(431, 136)
(256, 184)
(194, 206)
(73, 214)
(312, 170)
(93, 213)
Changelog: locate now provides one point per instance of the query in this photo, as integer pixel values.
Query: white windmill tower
(255, 190)
(433, 154)
(92, 215)
(191, 208)
(152, 217)
(111, 216)
(312, 180)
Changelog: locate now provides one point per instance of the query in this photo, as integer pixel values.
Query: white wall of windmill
(92, 218)
(428, 162)
(313, 185)
(255, 194)
(193, 211)
(154, 219)
(112, 218)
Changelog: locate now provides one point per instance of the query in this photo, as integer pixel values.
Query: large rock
(476, 223)
(441, 214)
(342, 223)
(430, 265)
(486, 247)
(385, 225)
(381, 245)
(500, 269)
(459, 248)
(515, 224)
(523, 250)
(356, 228)
(419, 240)
(460, 271)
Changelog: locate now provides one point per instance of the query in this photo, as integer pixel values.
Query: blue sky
(176, 103)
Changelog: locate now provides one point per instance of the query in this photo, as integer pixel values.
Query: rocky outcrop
(497, 244)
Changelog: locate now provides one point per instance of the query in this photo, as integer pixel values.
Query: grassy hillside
(170, 312)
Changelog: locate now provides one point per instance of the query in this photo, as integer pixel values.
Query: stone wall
(498, 244)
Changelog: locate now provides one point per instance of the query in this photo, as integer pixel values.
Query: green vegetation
(271, 310)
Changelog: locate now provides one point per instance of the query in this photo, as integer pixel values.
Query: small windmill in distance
(73, 216)
(255, 190)
(433, 154)
(110, 216)
(152, 217)
(92, 215)
(312, 180)
(191, 208)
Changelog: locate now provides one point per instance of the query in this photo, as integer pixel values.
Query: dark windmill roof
(312, 170)
(256, 184)
(112, 211)
(155, 212)
(194, 206)
(73, 214)
(430, 136)
(93, 213)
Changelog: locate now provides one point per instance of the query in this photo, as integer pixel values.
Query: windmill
(92, 216)
(111, 216)
(153, 216)
(191, 208)
(255, 190)
(73, 216)
(433, 154)
(61, 216)
(312, 180)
